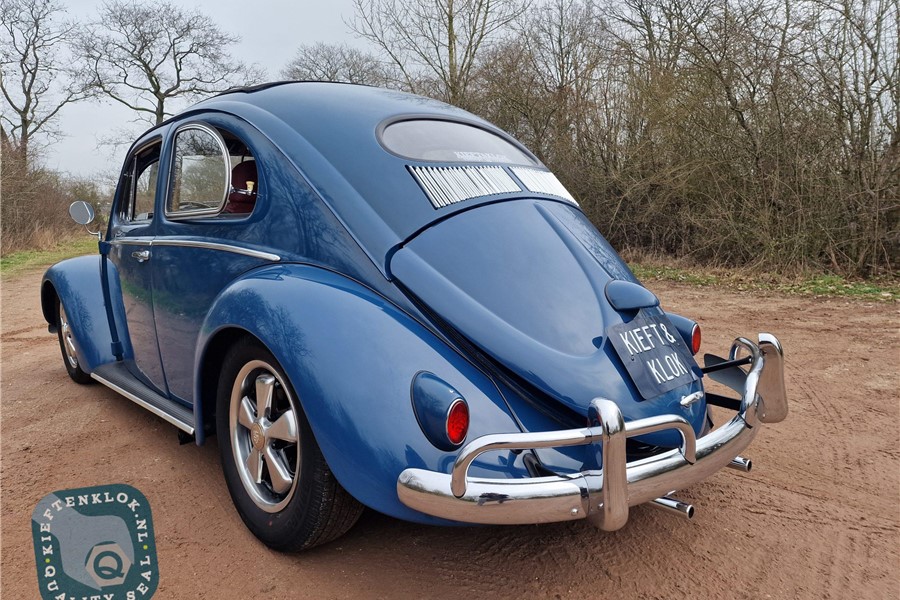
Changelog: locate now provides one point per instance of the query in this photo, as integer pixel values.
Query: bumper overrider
(604, 496)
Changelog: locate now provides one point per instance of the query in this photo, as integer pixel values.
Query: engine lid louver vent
(542, 182)
(448, 185)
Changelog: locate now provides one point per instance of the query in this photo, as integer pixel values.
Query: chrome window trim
(187, 214)
(198, 244)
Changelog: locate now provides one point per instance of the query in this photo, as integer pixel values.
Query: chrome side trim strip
(543, 182)
(135, 241)
(186, 427)
(197, 244)
(217, 246)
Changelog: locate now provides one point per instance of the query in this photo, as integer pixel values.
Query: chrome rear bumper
(603, 496)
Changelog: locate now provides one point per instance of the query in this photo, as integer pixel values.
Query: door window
(143, 177)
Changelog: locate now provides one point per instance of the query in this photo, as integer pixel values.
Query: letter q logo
(107, 564)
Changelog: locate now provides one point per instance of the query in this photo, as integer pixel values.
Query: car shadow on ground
(384, 557)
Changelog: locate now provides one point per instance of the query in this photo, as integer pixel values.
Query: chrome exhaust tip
(674, 505)
(741, 464)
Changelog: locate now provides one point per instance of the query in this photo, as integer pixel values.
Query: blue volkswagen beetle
(376, 299)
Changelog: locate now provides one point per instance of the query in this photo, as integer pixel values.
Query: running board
(116, 377)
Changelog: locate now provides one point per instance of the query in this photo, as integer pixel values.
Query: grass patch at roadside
(826, 285)
(21, 261)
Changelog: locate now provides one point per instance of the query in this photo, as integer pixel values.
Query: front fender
(77, 283)
(351, 356)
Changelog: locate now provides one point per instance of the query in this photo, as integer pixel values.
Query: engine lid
(526, 281)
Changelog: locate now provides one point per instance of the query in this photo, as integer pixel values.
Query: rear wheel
(276, 474)
(67, 346)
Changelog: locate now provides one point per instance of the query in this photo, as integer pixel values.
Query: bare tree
(145, 55)
(435, 44)
(337, 62)
(754, 132)
(855, 55)
(35, 81)
(565, 35)
(541, 83)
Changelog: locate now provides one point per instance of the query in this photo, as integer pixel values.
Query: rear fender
(77, 283)
(351, 357)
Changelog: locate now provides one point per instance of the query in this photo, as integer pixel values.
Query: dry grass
(34, 205)
(15, 263)
(793, 280)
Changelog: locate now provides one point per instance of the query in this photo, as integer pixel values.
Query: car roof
(330, 132)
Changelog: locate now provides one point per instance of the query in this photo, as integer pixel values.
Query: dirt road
(817, 518)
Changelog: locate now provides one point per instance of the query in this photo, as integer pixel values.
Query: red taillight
(458, 421)
(695, 339)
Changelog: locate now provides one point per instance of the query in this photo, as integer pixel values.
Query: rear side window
(201, 171)
(449, 141)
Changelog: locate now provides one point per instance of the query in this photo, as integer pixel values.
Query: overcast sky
(270, 30)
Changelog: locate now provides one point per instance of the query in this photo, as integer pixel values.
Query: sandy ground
(817, 518)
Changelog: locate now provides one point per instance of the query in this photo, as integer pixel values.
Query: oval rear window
(448, 141)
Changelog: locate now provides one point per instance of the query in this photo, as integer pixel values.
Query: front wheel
(276, 474)
(67, 346)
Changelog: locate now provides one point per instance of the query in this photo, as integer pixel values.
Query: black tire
(67, 348)
(316, 509)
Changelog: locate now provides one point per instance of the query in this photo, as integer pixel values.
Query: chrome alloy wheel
(67, 338)
(264, 435)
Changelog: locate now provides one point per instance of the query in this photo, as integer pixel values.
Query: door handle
(141, 255)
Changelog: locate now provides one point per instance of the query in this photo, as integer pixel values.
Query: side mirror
(81, 212)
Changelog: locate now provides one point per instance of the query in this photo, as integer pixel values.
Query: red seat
(244, 181)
